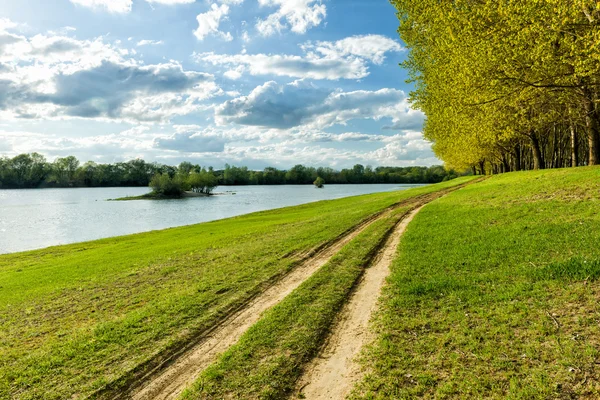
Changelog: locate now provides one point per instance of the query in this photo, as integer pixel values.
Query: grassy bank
(494, 294)
(74, 319)
(268, 359)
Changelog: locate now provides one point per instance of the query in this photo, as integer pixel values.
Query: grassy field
(495, 294)
(78, 318)
(268, 359)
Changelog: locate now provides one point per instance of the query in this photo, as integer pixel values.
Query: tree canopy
(506, 85)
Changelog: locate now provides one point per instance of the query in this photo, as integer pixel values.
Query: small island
(178, 186)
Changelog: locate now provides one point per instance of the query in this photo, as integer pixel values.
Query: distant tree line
(34, 171)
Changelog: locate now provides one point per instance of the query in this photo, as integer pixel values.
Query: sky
(245, 82)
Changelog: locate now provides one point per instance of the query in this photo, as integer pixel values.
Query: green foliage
(163, 184)
(506, 85)
(32, 170)
(319, 182)
(202, 182)
(494, 294)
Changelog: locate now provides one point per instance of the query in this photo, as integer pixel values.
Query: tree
(506, 86)
(202, 182)
(319, 182)
(163, 184)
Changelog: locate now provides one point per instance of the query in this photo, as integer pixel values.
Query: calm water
(33, 219)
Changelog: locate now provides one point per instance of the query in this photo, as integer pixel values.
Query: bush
(165, 185)
(202, 182)
(319, 182)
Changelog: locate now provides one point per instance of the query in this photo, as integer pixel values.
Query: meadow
(86, 319)
(494, 294)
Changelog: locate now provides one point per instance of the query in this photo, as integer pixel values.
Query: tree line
(34, 171)
(510, 85)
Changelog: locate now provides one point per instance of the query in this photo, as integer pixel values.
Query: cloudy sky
(245, 82)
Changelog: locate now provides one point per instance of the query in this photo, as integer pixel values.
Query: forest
(506, 86)
(34, 171)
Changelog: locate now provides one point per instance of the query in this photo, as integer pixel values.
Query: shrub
(202, 182)
(165, 185)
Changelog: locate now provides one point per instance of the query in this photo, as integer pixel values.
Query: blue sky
(245, 82)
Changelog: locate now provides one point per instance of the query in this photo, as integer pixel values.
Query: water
(38, 218)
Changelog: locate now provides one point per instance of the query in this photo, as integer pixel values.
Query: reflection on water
(33, 219)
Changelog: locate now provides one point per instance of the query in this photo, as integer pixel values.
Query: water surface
(38, 218)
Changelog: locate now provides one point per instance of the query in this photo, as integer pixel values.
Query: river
(37, 218)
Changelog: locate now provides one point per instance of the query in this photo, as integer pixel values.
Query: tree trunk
(538, 162)
(574, 160)
(593, 131)
(518, 157)
(505, 164)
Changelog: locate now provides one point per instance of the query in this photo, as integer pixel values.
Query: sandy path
(175, 378)
(333, 374)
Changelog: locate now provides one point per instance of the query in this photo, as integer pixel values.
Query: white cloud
(116, 6)
(208, 22)
(368, 47)
(292, 66)
(297, 15)
(149, 43)
(344, 59)
(191, 142)
(51, 77)
(234, 74)
(303, 104)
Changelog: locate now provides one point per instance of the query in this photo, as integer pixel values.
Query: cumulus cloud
(121, 91)
(116, 6)
(56, 77)
(190, 142)
(344, 59)
(208, 22)
(296, 15)
(303, 104)
(368, 47)
(292, 66)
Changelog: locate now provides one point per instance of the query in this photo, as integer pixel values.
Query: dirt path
(175, 378)
(334, 372)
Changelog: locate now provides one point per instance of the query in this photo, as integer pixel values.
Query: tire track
(333, 374)
(174, 379)
(173, 375)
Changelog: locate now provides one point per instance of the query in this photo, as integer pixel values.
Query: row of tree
(302, 175)
(33, 171)
(506, 85)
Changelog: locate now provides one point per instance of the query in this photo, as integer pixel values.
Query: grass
(495, 294)
(75, 319)
(269, 358)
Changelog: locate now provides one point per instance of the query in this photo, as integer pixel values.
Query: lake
(37, 218)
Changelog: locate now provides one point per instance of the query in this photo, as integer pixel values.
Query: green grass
(76, 318)
(268, 359)
(494, 294)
